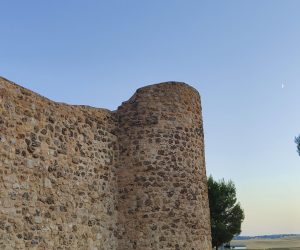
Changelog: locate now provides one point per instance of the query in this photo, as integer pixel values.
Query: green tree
(297, 141)
(225, 212)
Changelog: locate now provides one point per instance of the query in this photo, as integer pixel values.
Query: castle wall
(77, 177)
(162, 200)
(57, 179)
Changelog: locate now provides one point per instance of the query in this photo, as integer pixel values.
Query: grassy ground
(288, 243)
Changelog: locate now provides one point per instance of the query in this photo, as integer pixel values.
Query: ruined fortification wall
(58, 184)
(77, 177)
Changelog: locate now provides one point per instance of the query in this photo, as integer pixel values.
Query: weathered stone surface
(77, 177)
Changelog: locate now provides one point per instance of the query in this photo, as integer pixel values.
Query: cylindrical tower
(162, 188)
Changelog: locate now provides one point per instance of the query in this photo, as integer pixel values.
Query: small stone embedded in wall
(47, 183)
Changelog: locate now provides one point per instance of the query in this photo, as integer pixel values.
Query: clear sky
(236, 53)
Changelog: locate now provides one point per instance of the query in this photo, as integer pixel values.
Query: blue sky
(236, 53)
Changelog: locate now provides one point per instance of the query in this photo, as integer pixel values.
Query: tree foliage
(297, 141)
(225, 212)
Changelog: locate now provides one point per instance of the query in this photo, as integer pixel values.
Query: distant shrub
(297, 141)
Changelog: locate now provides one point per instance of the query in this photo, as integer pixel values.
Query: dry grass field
(287, 243)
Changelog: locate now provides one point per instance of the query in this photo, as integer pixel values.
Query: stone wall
(77, 177)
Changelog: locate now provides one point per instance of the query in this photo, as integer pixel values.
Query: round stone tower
(162, 191)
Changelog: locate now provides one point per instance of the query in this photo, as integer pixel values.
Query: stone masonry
(77, 177)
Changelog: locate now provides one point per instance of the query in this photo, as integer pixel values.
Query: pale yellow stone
(47, 183)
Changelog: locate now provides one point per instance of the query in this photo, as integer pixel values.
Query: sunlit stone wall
(77, 177)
